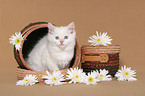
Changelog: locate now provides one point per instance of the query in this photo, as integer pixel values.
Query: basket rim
(101, 46)
(110, 49)
(25, 32)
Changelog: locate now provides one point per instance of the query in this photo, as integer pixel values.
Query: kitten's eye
(65, 37)
(56, 37)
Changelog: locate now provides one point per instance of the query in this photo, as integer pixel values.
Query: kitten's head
(61, 36)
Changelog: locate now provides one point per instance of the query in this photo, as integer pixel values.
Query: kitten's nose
(61, 42)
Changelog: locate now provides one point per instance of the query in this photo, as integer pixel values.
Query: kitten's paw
(63, 63)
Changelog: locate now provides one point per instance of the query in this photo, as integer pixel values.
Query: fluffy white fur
(55, 50)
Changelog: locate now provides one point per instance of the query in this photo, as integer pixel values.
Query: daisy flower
(102, 75)
(100, 39)
(28, 80)
(16, 40)
(75, 75)
(55, 78)
(126, 74)
(91, 79)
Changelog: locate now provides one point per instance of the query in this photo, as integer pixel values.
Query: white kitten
(55, 50)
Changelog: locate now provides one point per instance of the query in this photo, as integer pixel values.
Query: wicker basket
(32, 33)
(100, 57)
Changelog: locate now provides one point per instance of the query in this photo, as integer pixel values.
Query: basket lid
(111, 49)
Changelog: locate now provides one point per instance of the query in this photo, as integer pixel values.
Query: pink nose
(61, 42)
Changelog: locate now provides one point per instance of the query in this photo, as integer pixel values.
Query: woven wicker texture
(112, 64)
(21, 73)
(32, 33)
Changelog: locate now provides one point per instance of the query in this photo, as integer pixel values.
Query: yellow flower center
(90, 79)
(126, 73)
(101, 75)
(98, 39)
(27, 80)
(18, 40)
(77, 76)
(54, 79)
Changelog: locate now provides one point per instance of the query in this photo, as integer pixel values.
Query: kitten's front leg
(52, 66)
(63, 64)
(48, 63)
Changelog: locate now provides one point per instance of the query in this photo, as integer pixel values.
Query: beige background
(124, 20)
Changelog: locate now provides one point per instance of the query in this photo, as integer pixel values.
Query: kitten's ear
(71, 27)
(51, 27)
